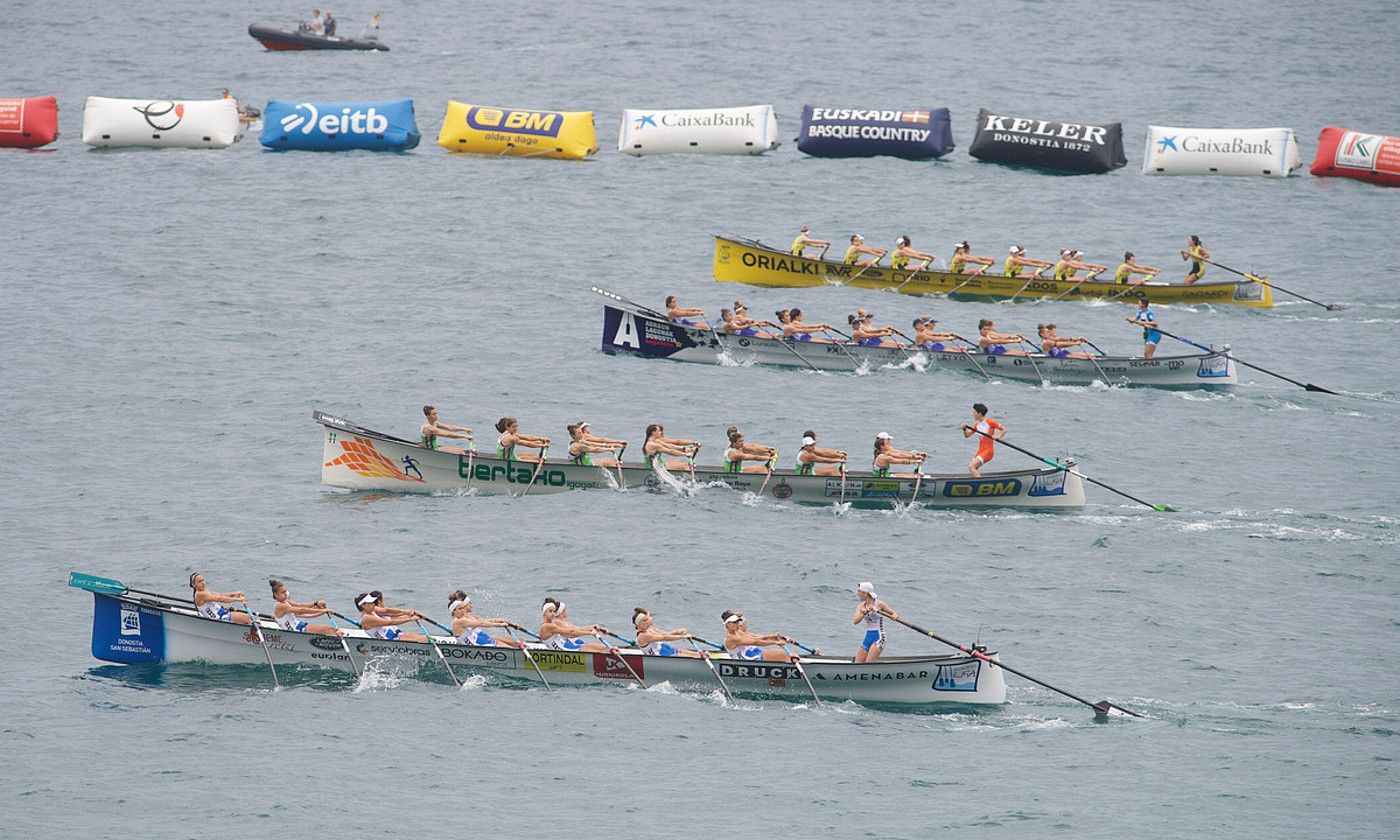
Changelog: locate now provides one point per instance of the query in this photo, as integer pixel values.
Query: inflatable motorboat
(275, 38)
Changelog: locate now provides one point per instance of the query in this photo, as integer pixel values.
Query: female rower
(803, 242)
(810, 455)
(872, 611)
(432, 429)
(993, 343)
(740, 451)
(904, 252)
(1145, 319)
(869, 336)
(1057, 347)
(558, 634)
(681, 315)
(582, 448)
(291, 615)
(1018, 261)
(471, 629)
(886, 456)
(737, 321)
(927, 338)
(654, 641)
(511, 438)
(741, 644)
(210, 604)
(1197, 254)
(380, 626)
(657, 445)
(985, 445)
(859, 247)
(962, 255)
(793, 328)
(1131, 266)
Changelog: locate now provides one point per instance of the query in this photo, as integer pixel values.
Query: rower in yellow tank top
(1062, 269)
(904, 252)
(962, 255)
(1018, 261)
(804, 241)
(859, 247)
(1131, 266)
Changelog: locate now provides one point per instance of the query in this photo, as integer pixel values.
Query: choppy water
(170, 319)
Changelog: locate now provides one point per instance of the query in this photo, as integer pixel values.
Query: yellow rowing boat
(749, 261)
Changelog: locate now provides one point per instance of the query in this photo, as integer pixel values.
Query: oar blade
(1105, 709)
(1319, 389)
(93, 583)
(1166, 509)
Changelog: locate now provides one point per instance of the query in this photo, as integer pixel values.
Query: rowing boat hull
(129, 630)
(742, 261)
(355, 458)
(635, 333)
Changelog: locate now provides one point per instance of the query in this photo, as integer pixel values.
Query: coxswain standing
(985, 445)
(962, 255)
(803, 242)
(1197, 254)
(1145, 319)
(859, 247)
(1018, 261)
(871, 611)
(1131, 266)
(432, 429)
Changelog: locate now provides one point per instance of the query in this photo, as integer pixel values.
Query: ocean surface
(169, 320)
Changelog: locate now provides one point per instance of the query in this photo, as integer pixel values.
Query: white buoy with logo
(161, 123)
(1271, 152)
(750, 130)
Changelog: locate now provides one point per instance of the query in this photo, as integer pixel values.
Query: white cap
(1015, 249)
(583, 424)
(458, 604)
(636, 617)
(867, 587)
(1079, 253)
(808, 440)
(367, 599)
(551, 605)
(883, 436)
(734, 619)
(857, 236)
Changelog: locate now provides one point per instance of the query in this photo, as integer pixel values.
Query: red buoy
(1343, 153)
(28, 123)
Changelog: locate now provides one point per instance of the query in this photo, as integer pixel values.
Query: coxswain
(871, 612)
(1145, 319)
(904, 252)
(211, 604)
(993, 343)
(803, 242)
(432, 429)
(810, 455)
(1017, 261)
(657, 445)
(1057, 347)
(962, 255)
(739, 451)
(386, 627)
(793, 328)
(470, 629)
(582, 448)
(1197, 254)
(291, 615)
(558, 634)
(653, 641)
(511, 438)
(886, 456)
(866, 335)
(682, 315)
(859, 247)
(741, 644)
(927, 338)
(985, 447)
(1131, 266)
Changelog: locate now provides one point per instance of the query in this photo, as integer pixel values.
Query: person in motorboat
(962, 256)
(658, 445)
(859, 247)
(470, 629)
(741, 644)
(866, 335)
(871, 612)
(511, 438)
(1145, 319)
(582, 449)
(810, 455)
(556, 633)
(291, 615)
(927, 338)
(385, 626)
(371, 30)
(794, 328)
(432, 429)
(682, 316)
(330, 23)
(904, 252)
(213, 605)
(1131, 266)
(739, 451)
(805, 241)
(1017, 262)
(986, 446)
(315, 26)
(1197, 254)
(993, 343)
(653, 641)
(887, 456)
(1057, 347)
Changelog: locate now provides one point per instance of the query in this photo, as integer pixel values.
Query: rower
(871, 611)
(1131, 266)
(985, 447)
(739, 451)
(1018, 261)
(810, 455)
(558, 634)
(471, 629)
(680, 315)
(1070, 265)
(511, 438)
(1145, 319)
(962, 255)
(804, 241)
(886, 456)
(210, 604)
(993, 343)
(432, 429)
(738, 322)
(859, 247)
(582, 447)
(386, 627)
(741, 644)
(1057, 347)
(657, 445)
(870, 336)
(794, 329)
(904, 252)
(927, 338)
(1197, 254)
(291, 615)
(653, 641)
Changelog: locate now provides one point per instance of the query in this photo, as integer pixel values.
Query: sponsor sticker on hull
(982, 489)
(561, 661)
(611, 667)
(959, 677)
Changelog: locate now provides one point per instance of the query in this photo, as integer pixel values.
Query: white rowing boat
(130, 627)
(635, 331)
(356, 458)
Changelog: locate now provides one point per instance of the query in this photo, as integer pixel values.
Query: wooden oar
(434, 645)
(471, 456)
(918, 480)
(1264, 281)
(612, 649)
(797, 663)
(784, 342)
(972, 356)
(1066, 468)
(257, 629)
(621, 482)
(1100, 708)
(529, 657)
(1038, 274)
(863, 270)
(1307, 386)
(544, 453)
(772, 462)
(646, 310)
(1097, 366)
(911, 275)
(713, 670)
(843, 483)
(1034, 366)
(343, 645)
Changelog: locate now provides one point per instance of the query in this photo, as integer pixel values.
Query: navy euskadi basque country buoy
(912, 134)
(387, 126)
(1086, 148)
